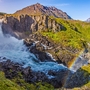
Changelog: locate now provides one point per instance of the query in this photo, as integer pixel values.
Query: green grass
(85, 87)
(74, 36)
(86, 68)
(18, 83)
(6, 84)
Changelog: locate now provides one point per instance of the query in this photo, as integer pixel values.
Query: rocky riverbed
(14, 70)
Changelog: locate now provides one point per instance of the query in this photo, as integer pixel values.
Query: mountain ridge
(88, 20)
(38, 9)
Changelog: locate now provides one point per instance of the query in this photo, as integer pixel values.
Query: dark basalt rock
(77, 79)
(38, 48)
(15, 70)
(41, 46)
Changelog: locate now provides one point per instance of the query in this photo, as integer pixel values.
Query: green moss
(86, 68)
(44, 86)
(18, 83)
(6, 84)
(37, 86)
(74, 36)
(85, 87)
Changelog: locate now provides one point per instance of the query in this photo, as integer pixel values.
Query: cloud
(58, 5)
(63, 4)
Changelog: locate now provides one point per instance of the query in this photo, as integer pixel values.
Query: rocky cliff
(46, 50)
(38, 9)
(48, 45)
(23, 25)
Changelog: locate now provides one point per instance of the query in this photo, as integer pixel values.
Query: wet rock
(15, 70)
(77, 79)
(27, 71)
(59, 78)
(28, 42)
(46, 50)
(38, 50)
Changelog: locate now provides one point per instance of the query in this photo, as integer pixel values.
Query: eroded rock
(15, 70)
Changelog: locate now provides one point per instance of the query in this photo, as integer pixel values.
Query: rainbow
(74, 60)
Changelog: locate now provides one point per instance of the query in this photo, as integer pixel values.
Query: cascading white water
(14, 49)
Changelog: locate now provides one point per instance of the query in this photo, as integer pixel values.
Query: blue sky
(77, 9)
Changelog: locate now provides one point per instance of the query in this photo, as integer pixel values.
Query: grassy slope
(74, 36)
(6, 84)
(76, 33)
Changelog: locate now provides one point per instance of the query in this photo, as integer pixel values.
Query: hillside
(2, 14)
(19, 84)
(38, 9)
(51, 38)
(67, 37)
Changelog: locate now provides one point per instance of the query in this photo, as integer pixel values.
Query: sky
(77, 9)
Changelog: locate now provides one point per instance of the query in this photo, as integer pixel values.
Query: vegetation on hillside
(2, 14)
(6, 84)
(20, 84)
(76, 34)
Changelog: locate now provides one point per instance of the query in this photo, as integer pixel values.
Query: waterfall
(14, 49)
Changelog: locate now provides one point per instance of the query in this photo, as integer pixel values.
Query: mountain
(2, 14)
(88, 20)
(38, 9)
(47, 38)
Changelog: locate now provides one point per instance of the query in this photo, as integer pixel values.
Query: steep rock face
(23, 25)
(38, 9)
(42, 47)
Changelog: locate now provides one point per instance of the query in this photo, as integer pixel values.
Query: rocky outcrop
(23, 25)
(78, 79)
(38, 9)
(15, 70)
(46, 50)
